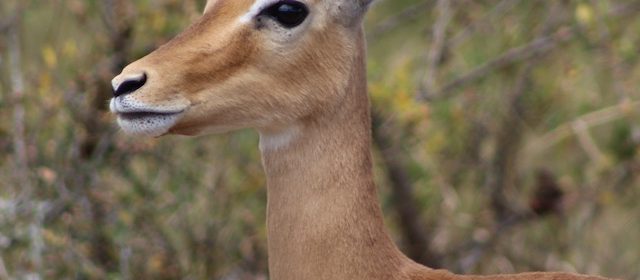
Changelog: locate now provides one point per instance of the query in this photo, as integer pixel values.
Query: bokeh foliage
(87, 202)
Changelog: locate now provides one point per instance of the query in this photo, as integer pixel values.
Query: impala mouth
(132, 116)
(144, 121)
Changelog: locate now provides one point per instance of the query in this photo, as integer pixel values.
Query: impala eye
(287, 13)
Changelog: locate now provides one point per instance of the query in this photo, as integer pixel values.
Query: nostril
(130, 85)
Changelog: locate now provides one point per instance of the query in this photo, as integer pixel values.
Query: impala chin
(147, 121)
(147, 124)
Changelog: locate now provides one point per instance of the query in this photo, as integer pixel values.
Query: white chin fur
(150, 126)
(270, 141)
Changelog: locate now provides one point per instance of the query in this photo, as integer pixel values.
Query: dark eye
(288, 13)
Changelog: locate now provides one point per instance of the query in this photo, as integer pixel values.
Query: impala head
(244, 64)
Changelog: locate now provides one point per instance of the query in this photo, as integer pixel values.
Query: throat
(323, 217)
(274, 140)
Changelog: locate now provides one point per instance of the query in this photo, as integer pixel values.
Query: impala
(294, 70)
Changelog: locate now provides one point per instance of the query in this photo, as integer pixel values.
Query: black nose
(130, 85)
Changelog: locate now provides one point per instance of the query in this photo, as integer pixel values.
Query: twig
(503, 170)
(504, 166)
(17, 95)
(116, 16)
(475, 250)
(414, 229)
(35, 235)
(462, 35)
(587, 143)
(6, 24)
(509, 141)
(530, 50)
(538, 46)
(437, 48)
(124, 265)
(589, 120)
(408, 14)
(4, 274)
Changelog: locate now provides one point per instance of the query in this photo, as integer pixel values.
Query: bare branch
(503, 171)
(593, 119)
(504, 167)
(476, 250)
(500, 8)
(4, 274)
(530, 50)
(539, 46)
(116, 15)
(7, 23)
(412, 12)
(413, 227)
(437, 47)
(586, 141)
(17, 95)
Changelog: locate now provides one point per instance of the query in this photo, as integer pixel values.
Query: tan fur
(307, 97)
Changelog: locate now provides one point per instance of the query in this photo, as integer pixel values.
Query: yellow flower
(584, 13)
(50, 57)
(70, 48)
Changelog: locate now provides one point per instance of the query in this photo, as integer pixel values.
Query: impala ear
(351, 12)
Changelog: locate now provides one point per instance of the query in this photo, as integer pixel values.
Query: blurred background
(507, 139)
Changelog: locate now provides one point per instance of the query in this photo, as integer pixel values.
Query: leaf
(50, 57)
(70, 48)
(584, 14)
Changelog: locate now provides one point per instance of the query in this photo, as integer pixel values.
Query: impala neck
(323, 217)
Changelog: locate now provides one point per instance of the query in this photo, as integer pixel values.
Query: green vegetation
(515, 123)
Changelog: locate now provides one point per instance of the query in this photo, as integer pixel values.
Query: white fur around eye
(257, 7)
(277, 34)
(209, 4)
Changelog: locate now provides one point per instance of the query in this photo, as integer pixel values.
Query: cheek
(263, 100)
